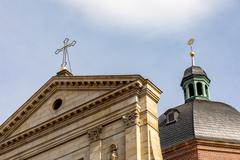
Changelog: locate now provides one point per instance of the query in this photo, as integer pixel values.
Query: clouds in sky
(149, 15)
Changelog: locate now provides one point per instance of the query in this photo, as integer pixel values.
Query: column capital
(94, 133)
(131, 119)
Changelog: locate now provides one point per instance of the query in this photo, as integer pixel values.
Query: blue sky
(146, 37)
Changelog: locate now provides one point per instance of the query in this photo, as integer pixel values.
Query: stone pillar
(187, 92)
(132, 136)
(204, 90)
(95, 150)
(95, 143)
(195, 88)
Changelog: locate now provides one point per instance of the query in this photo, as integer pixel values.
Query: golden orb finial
(192, 53)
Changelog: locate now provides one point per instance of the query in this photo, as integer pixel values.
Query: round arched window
(57, 104)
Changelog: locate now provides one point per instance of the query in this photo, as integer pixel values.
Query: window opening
(57, 104)
(199, 89)
(191, 90)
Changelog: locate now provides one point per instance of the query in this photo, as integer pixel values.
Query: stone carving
(131, 118)
(94, 133)
(114, 153)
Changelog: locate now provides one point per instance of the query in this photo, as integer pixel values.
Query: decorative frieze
(94, 133)
(131, 119)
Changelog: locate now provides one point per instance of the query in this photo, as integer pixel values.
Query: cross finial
(64, 50)
(192, 53)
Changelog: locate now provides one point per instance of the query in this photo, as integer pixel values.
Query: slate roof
(194, 70)
(201, 119)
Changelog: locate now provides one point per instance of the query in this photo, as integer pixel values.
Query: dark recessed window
(199, 89)
(57, 104)
(191, 90)
(172, 116)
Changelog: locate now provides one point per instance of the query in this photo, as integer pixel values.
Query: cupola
(195, 82)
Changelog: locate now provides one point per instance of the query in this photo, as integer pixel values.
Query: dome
(194, 70)
(200, 119)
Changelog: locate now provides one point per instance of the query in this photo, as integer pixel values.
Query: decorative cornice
(74, 132)
(198, 144)
(52, 123)
(94, 133)
(131, 119)
(53, 84)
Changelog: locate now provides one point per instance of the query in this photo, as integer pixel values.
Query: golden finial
(192, 53)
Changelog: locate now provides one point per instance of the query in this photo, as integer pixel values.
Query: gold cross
(64, 50)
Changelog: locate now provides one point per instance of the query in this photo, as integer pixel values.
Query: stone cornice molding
(72, 134)
(52, 123)
(203, 145)
(77, 82)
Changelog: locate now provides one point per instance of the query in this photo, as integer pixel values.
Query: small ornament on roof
(192, 53)
(64, 50)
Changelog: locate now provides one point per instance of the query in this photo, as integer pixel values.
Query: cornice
(72, 134)
(77, 82)
(133, 87)
(201, 144)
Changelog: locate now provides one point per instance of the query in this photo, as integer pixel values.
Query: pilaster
(95, 143)
(132, 136)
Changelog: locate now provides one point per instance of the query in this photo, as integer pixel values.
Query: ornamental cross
(64, 50)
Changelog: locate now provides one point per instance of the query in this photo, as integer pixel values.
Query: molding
(106, 99)
(71, 134)
(197, 145)
(74, 82)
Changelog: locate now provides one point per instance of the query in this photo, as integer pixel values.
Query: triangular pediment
(74, 91)
(46, 111)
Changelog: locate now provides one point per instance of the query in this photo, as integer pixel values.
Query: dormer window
(171, 116)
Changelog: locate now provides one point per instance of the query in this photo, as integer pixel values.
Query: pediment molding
(106, 99)
(69, 82)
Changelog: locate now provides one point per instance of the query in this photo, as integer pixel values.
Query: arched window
(199, 89)
(191, 90)
(206, 89)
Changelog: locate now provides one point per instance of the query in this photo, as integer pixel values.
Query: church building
(111, 117)
(114, 117)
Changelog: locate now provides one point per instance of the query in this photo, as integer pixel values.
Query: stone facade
(98, 118)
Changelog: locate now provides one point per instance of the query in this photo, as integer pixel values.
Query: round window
(57, 104)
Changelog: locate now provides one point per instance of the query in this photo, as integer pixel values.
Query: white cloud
(148, 15)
